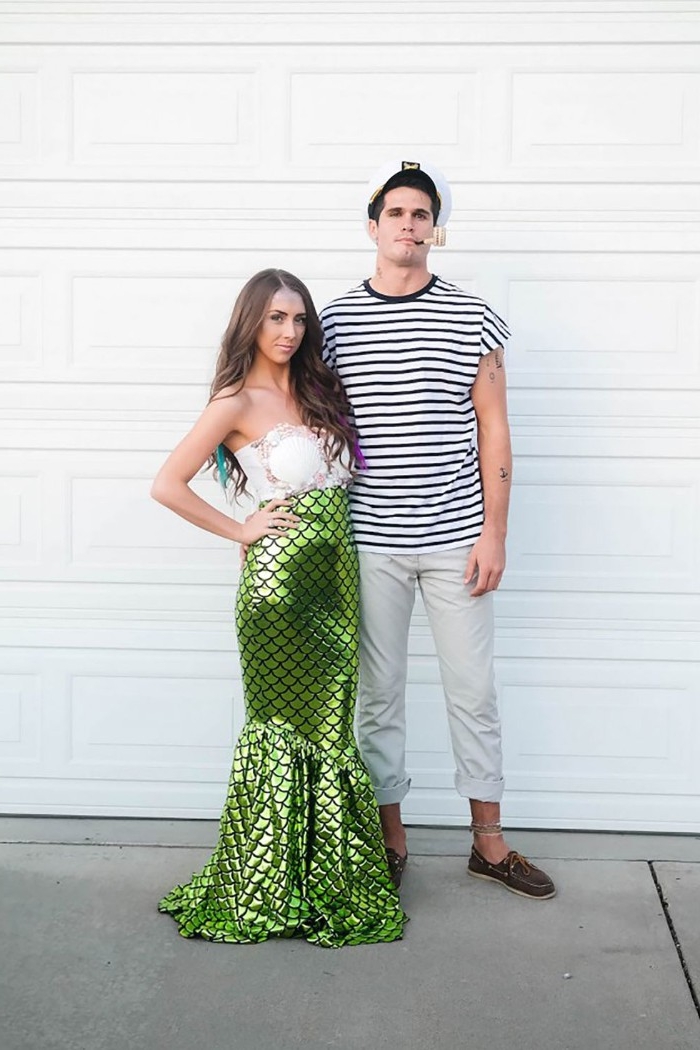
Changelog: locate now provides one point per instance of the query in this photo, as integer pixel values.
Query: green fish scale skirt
(300, 850)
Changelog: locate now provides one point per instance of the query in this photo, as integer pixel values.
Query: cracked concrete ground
(88, 964)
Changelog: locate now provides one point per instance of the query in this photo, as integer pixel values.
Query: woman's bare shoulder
(231, 400)
(228, 393)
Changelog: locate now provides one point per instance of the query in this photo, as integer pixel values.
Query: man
(422, 363)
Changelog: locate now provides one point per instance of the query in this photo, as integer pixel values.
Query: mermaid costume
(300, 850)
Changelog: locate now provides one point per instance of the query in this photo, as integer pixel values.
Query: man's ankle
(492, 848)
(392, 828)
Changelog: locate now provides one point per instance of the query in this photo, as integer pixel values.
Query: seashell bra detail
(289, 459)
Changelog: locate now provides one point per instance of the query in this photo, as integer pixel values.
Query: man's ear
(373, 229)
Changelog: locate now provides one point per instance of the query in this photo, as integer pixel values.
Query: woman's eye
(300, 320)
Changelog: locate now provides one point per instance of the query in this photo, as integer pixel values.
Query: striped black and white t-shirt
(408, 364)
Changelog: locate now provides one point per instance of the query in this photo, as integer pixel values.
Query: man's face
(405, 219)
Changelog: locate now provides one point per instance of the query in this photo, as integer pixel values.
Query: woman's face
(282, 328)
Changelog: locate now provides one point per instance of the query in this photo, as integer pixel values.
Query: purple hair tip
(359, 457)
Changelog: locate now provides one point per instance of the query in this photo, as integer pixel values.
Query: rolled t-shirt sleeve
(494, 331)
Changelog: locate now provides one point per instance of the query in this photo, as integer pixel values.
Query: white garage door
(153, 156)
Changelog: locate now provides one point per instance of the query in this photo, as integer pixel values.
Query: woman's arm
(171, 486)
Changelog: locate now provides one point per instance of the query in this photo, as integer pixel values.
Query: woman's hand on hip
(274, 519)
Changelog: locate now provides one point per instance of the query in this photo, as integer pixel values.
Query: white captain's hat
(395, 172)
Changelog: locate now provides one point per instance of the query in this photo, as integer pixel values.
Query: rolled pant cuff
(390, 796)
(480, 790)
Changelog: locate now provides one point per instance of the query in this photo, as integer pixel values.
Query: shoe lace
(517, 858)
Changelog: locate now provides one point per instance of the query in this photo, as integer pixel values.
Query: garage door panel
(615, 327)
(117, 532)
(180, 319)
(89, 516)
(129, 113)
(191, 118)
(20, 319)
(20, 536)
(624, 325)
(605, 118)
(20, 720)
(115, 522)
(600, 725)
(351, 94)
(612, 525)
(121, 721)
(121, 715)
(19, 111)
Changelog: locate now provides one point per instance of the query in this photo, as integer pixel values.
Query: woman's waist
(275, 488)
(315, 498)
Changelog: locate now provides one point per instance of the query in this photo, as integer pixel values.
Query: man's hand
(488, 560)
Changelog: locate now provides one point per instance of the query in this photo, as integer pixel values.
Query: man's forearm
(495, 466)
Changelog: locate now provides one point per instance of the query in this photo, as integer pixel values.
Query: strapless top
(290, 459)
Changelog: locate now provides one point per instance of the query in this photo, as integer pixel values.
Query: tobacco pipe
(438, 238)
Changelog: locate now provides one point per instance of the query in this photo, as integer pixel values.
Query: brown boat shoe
(397, 865)
(515, 872)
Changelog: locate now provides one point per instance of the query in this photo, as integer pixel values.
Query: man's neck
(398, 280)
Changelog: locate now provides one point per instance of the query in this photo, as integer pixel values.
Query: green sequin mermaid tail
(300, 851)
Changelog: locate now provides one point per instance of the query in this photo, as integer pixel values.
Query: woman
(300, 851)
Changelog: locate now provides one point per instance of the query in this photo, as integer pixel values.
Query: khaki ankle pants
(462, 628)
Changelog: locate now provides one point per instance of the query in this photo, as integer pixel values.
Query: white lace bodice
(290, 459)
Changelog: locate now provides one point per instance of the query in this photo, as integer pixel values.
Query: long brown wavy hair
(317, 391)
